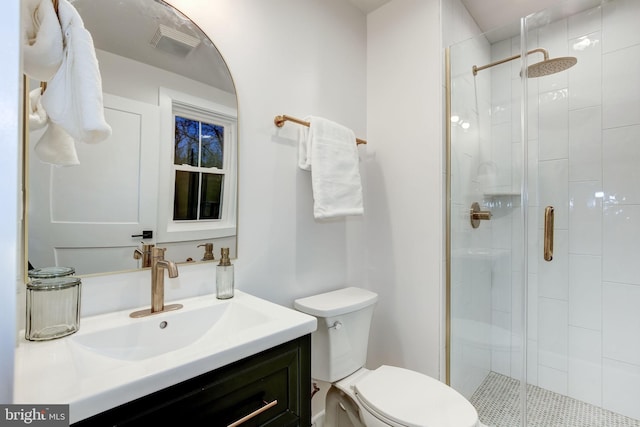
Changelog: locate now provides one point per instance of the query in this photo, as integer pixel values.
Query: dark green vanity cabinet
(227, 394)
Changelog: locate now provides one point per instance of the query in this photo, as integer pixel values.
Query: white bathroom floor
(497, 403)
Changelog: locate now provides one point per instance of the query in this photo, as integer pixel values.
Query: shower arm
(511, 58)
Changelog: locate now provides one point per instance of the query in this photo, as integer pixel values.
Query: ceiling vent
(173, 41)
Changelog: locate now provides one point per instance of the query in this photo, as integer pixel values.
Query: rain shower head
(543, 68)
(551, 66)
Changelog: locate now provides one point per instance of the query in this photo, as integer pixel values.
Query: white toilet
(386, 396)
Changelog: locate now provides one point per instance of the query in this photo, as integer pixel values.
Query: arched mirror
(167, 174)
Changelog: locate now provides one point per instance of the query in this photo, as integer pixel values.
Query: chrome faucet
(158, 264)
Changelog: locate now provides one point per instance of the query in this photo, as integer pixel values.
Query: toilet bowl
(386, 396)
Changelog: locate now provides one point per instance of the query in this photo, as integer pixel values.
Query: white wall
(10, 134)
(404, 192)
(284, 60)
(143, 81)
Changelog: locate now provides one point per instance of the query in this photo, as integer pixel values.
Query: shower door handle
(548, 233)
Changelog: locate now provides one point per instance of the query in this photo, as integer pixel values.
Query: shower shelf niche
(492, 194)
(500, 203)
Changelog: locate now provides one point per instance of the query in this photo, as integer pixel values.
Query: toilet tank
(339, 344)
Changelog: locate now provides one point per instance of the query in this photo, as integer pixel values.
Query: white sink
(114, 358)
(141, 338)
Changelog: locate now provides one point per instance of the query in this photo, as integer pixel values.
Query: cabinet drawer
(278, 378)
(223, 402)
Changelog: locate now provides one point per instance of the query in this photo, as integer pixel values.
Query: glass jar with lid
(53, 303)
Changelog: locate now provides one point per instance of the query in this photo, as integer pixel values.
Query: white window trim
(168, 229)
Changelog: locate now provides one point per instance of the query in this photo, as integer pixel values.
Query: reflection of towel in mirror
(330, 152)
(37, 114)
(56, 147)
(73, 98)
(42, 39)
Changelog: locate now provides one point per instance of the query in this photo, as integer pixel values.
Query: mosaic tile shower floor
(497, 403)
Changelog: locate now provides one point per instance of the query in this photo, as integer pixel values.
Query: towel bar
(279, 121)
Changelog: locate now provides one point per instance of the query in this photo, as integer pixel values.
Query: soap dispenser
(224, 276)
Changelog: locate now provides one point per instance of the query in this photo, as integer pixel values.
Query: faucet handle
(157, 252)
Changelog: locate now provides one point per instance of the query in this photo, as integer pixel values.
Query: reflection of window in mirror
(198, 170)
(199, 167)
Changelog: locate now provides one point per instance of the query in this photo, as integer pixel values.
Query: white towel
(56, 147)
(37, 115)
(42, 39)
(73, 98)
(330, 152)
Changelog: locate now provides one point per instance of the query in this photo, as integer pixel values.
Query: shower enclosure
(543, 284)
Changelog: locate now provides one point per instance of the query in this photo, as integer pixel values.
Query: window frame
(172, 103)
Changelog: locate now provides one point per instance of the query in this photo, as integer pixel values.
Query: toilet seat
(408, 398)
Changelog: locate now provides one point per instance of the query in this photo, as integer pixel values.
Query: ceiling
(493, 14)
(130, 38)
(368, 5)
(488, 14)
(137, 23)
(500, 19)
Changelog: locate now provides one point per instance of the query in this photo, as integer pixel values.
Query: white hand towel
(73, 98)
(330, 153)
(37, 115)
(42, 39)
(56, 147)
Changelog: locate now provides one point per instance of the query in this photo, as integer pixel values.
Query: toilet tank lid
(337, 302)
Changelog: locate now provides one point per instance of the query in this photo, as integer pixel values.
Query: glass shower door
(486, 339)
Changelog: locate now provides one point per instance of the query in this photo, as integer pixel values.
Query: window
(197, 168)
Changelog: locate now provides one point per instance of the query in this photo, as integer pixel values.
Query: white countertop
(62, 372)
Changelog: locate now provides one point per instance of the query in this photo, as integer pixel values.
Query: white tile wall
(553, 334)
(553, 124)
(621, 86)
(620, 158)
(585, 143)
(621, 387)
(585, 217)
(620, 250)
(587, 338)
(585, 291)
(621, 322)
(584, 380)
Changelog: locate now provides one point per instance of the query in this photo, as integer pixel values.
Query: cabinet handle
(548, 233)
(254, 413)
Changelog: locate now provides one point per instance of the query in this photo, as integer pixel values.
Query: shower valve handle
(476, 215)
